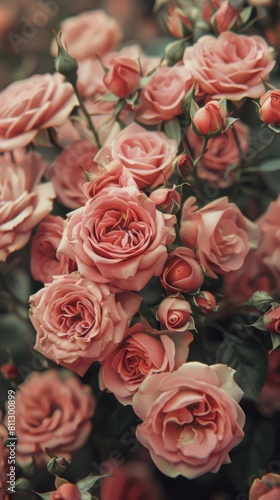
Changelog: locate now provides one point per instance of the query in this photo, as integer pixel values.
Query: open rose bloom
(140, 250)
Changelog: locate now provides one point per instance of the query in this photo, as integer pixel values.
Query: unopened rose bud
(181, 272)
(175, 314)
(123, 77)
(167, 200)
(226, 17)
(174, 51)
(66, 491)
(265, 488)
(179, 24)
(270, 107)
(57, 466)
(271, 319)
(182, 165)
(65, 64)
(9, 371)
(206, 302)
(210, 120)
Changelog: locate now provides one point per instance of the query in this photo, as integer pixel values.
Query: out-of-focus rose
(179, 24)
(219, 164)
(271, 319)
(175, 314)
(68, 172)
(270, 107)
(45, 261)
(9, 371)
(183, 165)
(210, 119)
(140, 355)
(146, 153)
(78, 321)
(231, 66)
(119, 237)
(60, 420)
(131, 481)
(221, 234)
(89, 34)
(123, 77)
(266, 488)
(162, 97)
(206, 302)
(113, 175)
(168, 200)
(4, 453)
(269, 247)
(67, 491)
(27, 106)
(24, 202)
(269, 397)
(191, 418)
(181, 272)
(226, 17)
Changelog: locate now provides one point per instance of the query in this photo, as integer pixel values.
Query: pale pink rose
(78, 321)
(162, 97)
(89, 34)
(68, 172)
(174, 313)
(118, 237)
(54, 411)
(146, 153)
(123, 77)
(113, 175)
(269, 398)
(219, 165)
(221, 234)
(24, 202)
(140, 355)
(191, 418)
(27, 106)
(66, 491)
(266, 488)
(210, 119)
(45, 262)
(182, 272)
(231, 66)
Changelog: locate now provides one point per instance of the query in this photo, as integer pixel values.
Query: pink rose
(167, 200)
(269, 247)
(24, 202)
(269, 397)
(60, 420)
(210, 119)
(45, 261)
(191, 418)
(231, 66)
(266, 488)
(270, 107)
(118, 237)
(226, 17)
(219, 165)
(113, 175)
(78, 321)
(68, 172)
(271, 319)
(162, 97)
(146, 153)
(179, 22)
(67, 491)
(206, 302)
(175, 314)
(89, 34)
(123, 77)
(220, 233)
(140, 355)
(181, 272)
(27, 106)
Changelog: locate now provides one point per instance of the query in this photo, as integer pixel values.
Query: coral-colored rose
(113, 175)
(206, 302)
(132, 481)
(231, 66)
(79, 321)
(175, 314)
(68, 172)
(89, 34)
(266, 488)
(191, 418)
(67, 491)
(119, 237)
(123, 77)
(162, 97)
(210, 119)
(146, 153)
(181, 272)
(167, 200)
(140, 355)
(53, 411)
(270, 107)
(45, 261)
(221, 234)
(24, 202)
(269, 397)
(271, 319)
(226, 17)
(27, 106)
(219, 164)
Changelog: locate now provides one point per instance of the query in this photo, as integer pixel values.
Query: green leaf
(194, 109)
(275, 339)
(274, 128)
(173, 130)
(245, 14)
(88, 482)
(268, 166)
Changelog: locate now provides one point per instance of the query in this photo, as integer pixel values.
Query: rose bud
(57, 466)
(182, 272)
(271, 319)
(175, 314)
(209, 120)
(123, 77)
(9, 371)
(182, 165)
(206, 302)
(65, 64)
(266, 488)
(226, 17)
(270, 107)
(66, 491)
(167, 200)
(179, 24)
